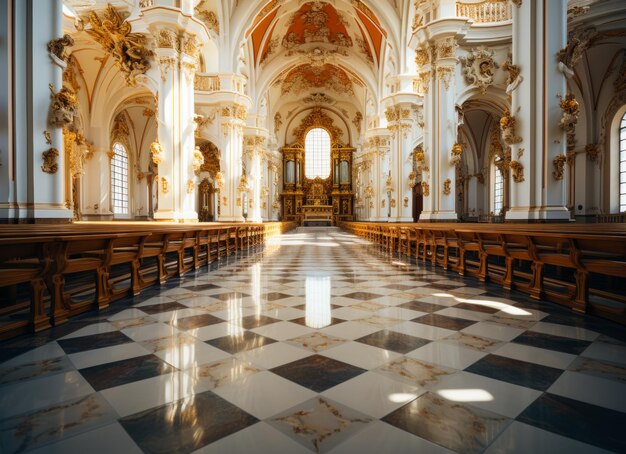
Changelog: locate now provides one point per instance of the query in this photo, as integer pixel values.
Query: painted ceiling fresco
(307, 76)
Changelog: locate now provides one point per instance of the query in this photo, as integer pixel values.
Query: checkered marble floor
(318, 343)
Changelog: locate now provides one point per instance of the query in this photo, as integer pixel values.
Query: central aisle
(319, 343)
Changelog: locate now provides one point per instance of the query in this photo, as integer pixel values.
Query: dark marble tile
(201, 287)
(274, 296)
(574, 419)
(363, 296)
(459, 427)
(284, 281)
(302, 321)
(240, 343)
(588, 322)
(476, 308)
(84, 343)
(197, 321)
(125, 371)
(186, 425)
(401, 287)
(550, 342)
(396, 342)
(230, 296)
(442, 321)
(445, 286)
(422, 307)
(255, 321)
(317, 372)
(302, 307)
(164, 307)
(517, 372)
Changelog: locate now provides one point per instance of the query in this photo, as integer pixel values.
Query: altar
(317, 215)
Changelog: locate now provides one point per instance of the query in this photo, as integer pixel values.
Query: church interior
(300, 226)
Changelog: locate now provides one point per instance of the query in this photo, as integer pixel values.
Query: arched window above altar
(317, 154)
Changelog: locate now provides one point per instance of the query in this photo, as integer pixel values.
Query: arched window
(317, 154)
(622, 164)
(498, 191)
(119, 179)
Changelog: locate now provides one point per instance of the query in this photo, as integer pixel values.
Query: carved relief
(165, 187)
(308, 76)
(425, 189)
(517, 171)
(446, 48)
(209, 18)
(479, 67)
(318, 117)
(278, 122)
(50, 161)
(444, 74)
(56, 48)
(593, 152)
(422, 57)
(455, 154)
(447, 186)
(127, 49)
(559, 167)
(514, 78)
(569, 117)
(63, 107)
(507, 125)
(190, 186)
(157, 152)
(357, 121)
(197, 160)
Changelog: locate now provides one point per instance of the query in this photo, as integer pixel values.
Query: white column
(539, 32)
(256, 180)
(232, 153)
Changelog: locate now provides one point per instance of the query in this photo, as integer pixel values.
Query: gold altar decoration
(198, 159)
(128, 49)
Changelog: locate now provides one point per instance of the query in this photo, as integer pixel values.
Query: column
(253, 154)
(401, 123)
(531, 129)
(31, 186)
(233, 121)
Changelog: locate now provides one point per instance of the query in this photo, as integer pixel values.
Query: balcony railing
(206, 83)
(485, 11)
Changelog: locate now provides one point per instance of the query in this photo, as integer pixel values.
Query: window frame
(120, 181)
(498, 190)
(621, 164)
(316, 159)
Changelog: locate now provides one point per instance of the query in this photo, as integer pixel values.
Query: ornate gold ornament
(517, 171)
(318, 118)
(406, 202)
(514, 78)
(50, 161)
(165, 185)
(455, 153)
(593, 151)
(219, 180)
(114, 35)
(382, 203)
(56, 48)
(412, 179)
(422, 57)
(485, 11)
(559, 166)
(507, 126)
(77, 151)
(225, 201)
(190, 186)
(446, 186)
(209, 18)
(235, 111)
(357, 121)
(425, 189)
(444, 74)
(278, 122)
(479, 68)
(392, 203)
(389, 184)
(446, 48)
(63, 107)
(569, 117)
(197, 160)
(47, 137)
(157, 152)
(140, 176)
(243, 183)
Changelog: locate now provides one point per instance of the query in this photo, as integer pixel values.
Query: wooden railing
(49, 273)
(579, 266)
(611, 218)
(485, 11)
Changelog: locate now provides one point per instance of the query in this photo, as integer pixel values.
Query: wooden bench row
(50, 273)
(584, 271)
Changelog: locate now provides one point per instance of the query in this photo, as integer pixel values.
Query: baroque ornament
(198, 159)
(425, 189)
(165, 185)
(50, 161)
(559, 166)
(479, 67)
(507, 126)
(56, 48)
(593, 152)
(447, 186)
(318, 117)
(157, 152)
(455, 153)
(63, 107)
(517, 171)
(514, 78)
(127, 49)
(569, 117)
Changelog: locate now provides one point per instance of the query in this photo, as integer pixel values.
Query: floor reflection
(318, 310)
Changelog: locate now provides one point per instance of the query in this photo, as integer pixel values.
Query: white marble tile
(282, 330)
(105, 355)
(590, 389)
(380, 437)
(565, 331)
(494, 331)
(155, 300)
(218, 330)
(399, 312)
(141, 395)
(264, 394)
(260, 438)
(536, 355)
(103, 440)
(274, 355)
(420, 330)
(128, 314)
(493, 395)
(347, 313)
(48, 351)
(186, 355)
(360, 355)
(90, 330)
(383, 394)
(447, 355)
(350, 330)
(285, 313)
(520, 438)
(40, 393)
(153, 331)
(463, 313)
(173, 316)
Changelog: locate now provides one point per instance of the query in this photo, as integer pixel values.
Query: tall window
(119, 179)
(498, 191)
(317, 154)
(622, 164)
